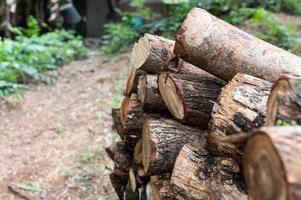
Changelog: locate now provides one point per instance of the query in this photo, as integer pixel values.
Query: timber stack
(212, 115)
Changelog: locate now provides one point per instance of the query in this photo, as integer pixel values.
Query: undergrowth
(25, 58)
(120, 35)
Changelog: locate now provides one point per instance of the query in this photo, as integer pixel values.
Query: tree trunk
(224, 50)
(149, 94)
(161, 188)
(272, 163)
(162, 140)
(117, 125)
(198, 175)
(240, 107)
(152, 53)
(132, 81)
(284, 104)
(190, 98)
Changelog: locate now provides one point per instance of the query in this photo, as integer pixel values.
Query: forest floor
(52, 137)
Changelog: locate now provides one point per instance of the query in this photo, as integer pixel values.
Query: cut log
(132, 81)
(122, 160)
(119, 184)
(272, 163)
(240, 108)
(190, 98)
(198, 175)
(137, 177)
(162, 139)
(284, 103)
(117, 124)
(152, 53)
(161, 188)
(131, 115)
(149, 94)
(137, 156)
(224, 50)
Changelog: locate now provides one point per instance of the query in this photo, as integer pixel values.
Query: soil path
(52, 138)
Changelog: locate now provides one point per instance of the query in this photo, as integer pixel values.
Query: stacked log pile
(192, 120)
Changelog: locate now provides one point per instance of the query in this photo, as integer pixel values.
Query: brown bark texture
(272, 163)
(224, 50)
(131, 115)
(190, 97)
(117, 124)
(149, 94)
(161, 188)
(132, 81)
(284, 103)
(119, 184)
(240, 107)
(152, 53)
(162, 139)
(199, 175)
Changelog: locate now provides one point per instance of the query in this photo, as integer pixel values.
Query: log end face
(263, 169)
(140, 52)
(171, 96)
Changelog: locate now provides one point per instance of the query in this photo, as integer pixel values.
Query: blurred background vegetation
(31, 46)
(255, 16)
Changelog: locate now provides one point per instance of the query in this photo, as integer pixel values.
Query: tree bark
(161, 188)
(272, 163)
(117, 125)
(132, 119)
(190, 98)
(149, 94)
(122, 159)
(224, 50)
(198, 175)
(152, 53)
(162, 140)
(284, 103)
(132, 81)
(240, 107)
(119, 184)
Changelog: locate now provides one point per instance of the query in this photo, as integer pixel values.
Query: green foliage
(26, 58)
(31, 30)
(118, 36)
(271, 30)
(291, 6)
(32, 187)
(280, 122)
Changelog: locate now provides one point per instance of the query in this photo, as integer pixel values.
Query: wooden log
(137, 177)
(162, 140)
(224, 50)
(119, 184)
(284, 103)
(190, 97)
(132, 81)
(132, 118)
(137, 155)
(122, 160)
(117, 124)
(199, 175)
(240, 108)
(152, 53)
(272, 163)
(161, 188)
(149, 94)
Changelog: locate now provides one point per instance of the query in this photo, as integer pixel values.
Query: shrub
(26, 58)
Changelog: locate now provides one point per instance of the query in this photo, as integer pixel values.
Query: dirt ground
(52, 137)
